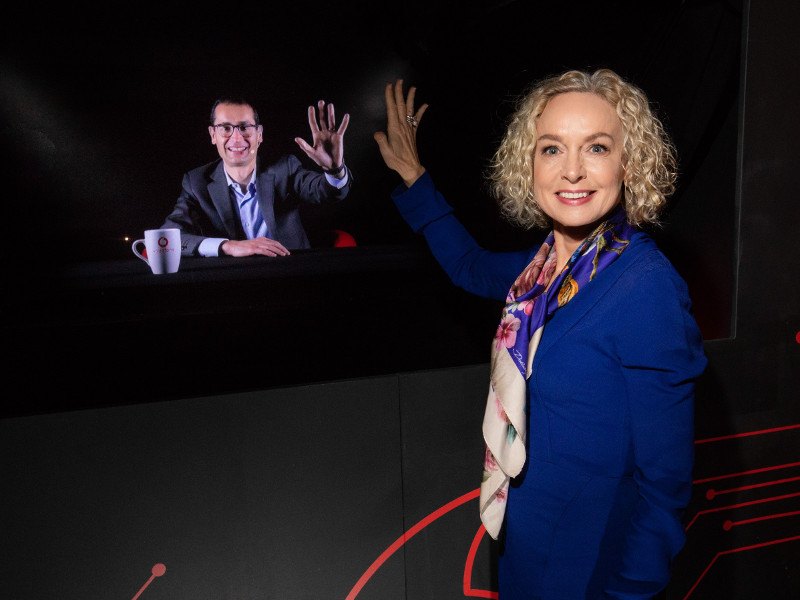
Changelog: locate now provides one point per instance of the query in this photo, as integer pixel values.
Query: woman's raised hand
(398, 145)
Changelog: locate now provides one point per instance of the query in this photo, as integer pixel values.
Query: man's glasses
(226, 129)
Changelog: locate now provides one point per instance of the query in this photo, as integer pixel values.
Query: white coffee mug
(163, 248)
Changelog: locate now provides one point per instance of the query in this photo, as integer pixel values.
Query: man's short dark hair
(235, 102)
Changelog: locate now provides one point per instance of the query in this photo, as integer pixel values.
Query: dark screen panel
(106, 112)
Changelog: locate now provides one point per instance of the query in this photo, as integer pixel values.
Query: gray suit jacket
(205, 207)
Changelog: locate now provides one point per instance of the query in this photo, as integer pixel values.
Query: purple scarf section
(530, 304)
(529, 307)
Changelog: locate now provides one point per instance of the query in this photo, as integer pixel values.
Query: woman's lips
(574, 198)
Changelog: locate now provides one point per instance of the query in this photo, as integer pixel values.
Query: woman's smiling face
(578, 166)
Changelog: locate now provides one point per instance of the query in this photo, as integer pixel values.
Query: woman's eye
(549, 150)
(598, 148)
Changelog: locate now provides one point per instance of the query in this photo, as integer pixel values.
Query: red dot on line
(727, 525)
(797, 337)
(158, 569)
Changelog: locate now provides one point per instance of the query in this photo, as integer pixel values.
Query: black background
(266, 429)
(107, 106)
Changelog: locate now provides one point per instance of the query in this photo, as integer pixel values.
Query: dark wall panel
(283, 494)
(743, 527)
(358, 489)
(295, 493)
(442, 412)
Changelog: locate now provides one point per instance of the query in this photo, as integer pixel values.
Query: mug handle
(136, 252)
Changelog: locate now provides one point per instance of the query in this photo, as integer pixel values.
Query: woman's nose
(573, 167)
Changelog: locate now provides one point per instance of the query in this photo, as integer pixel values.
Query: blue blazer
(596, 512)
(205, 207)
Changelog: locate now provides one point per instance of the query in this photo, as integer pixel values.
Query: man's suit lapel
(265, 182)
(221, 197)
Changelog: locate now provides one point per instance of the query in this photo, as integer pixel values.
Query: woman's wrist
(412, 175)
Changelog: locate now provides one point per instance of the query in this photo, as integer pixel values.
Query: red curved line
(764, 518)
(734, 551)
(739, 505)
(468, 565)
(755, 486)
(144, 587)
(747, 434)
(398, 543)
(750, 472)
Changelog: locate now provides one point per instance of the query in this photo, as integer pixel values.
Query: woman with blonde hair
(589, 416)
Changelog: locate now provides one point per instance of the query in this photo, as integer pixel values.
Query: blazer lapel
(221, 197)
(565, 318)
(265, 183)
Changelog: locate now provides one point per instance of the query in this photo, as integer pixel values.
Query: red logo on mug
(163, 242)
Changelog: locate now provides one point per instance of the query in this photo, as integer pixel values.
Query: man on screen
(240, 207)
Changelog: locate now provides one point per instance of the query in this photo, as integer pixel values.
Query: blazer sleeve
(189, 217)
(661, 352)
(311, 186)
(469, 266)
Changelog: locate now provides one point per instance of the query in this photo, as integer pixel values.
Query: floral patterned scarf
(528, 308)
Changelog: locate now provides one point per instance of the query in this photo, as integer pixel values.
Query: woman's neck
(566, 241)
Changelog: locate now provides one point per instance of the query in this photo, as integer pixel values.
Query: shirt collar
(235, 185)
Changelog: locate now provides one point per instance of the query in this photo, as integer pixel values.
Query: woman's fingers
(391, 106)
(400, 114)
(420, 112)
(400, 101)
(410, 100)
(400, 107)
(384, 148)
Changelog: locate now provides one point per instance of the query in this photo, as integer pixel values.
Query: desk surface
(111, 332)
(119, 289)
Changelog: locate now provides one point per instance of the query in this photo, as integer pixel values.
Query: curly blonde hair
(648, 153)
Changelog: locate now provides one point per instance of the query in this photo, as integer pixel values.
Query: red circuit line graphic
(747, 434)
(728, 525)
(743, 435)
(398, 543)
(157, 571)
(712, 493)
(750, 472)
(468, 566)
(734, 551)
(469, 591)
(732, 506)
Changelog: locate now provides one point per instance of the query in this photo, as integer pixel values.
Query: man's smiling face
(240, 149)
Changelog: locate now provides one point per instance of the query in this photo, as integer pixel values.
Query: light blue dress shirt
(250, 213)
